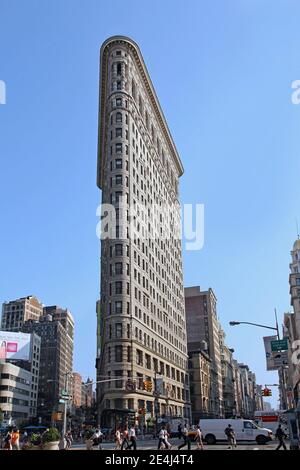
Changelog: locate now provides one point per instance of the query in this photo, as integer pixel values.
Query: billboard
(14, 346)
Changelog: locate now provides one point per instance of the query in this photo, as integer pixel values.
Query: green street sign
(280, 345)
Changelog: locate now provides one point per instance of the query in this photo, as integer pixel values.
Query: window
(147, 119)
(119, 85)
(118, 307)
(118, 179)
(119, 148)
(133, 89)
(118, 287)
(119, 117)
(118, 195)
(118, 354)
(119, 330)
(140, 104)
(139, 357)
(119, 250)
(119, 268)
(148, 361)
(119, 132)
(118, 53)
(297, 281)
(119, 102)
(119, 68)
(119, 383)
(119, 164)
(128, 353)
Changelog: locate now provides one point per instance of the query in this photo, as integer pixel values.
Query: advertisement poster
(14, 346)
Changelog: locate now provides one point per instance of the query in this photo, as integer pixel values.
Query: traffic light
(148, 385)
(267, 392)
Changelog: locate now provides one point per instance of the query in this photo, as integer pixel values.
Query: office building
(142, 319)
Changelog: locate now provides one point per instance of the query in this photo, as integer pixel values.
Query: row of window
(14, 401)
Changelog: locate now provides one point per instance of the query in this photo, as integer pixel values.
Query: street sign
(280, 345)
(130, 386)
(280, 359)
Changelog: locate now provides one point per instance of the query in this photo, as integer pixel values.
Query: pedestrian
(230, 434)
(7, 441)
(15, 439)
(179, 429)
(132, 438)
(280, 435)
(186, 439)
(97, 439)
(167, 435)
(162, 438)
(199, 439)
(125, 439)
(69, 440)
(25, 437)
(118, 439)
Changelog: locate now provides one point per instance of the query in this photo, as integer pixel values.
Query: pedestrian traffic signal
(148, 385)
(267, 392)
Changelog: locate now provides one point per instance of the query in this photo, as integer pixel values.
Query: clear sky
(223, 73)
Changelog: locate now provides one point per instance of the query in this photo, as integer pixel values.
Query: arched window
(119, 68)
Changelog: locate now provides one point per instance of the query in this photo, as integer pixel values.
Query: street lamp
(235, 323)
(64, 429)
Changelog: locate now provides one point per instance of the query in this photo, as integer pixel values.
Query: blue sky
(223, 73)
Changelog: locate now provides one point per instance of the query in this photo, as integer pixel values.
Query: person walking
(280, 435)
(186, 439)
(97, 439)
(125, 439)
(230, 434)
(162, 438)
(7, 441)
(179, 429)
(199, 439)
(132, 438)
(15, 439)
(69, 440)
(118, 439)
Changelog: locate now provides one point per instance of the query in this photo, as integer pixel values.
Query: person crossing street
(280, 435)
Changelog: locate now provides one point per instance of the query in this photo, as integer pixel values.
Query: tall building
(15, 390)
(16, 312)
(203, 325)
(56, 330)
(142, 321)
(33, 366)
(200, 386)
(76, 389)
(292, 331)
(87, 393)
(228, 378)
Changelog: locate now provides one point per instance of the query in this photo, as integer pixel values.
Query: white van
(245, 430)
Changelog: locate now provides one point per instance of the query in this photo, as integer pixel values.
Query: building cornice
(134, 48)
